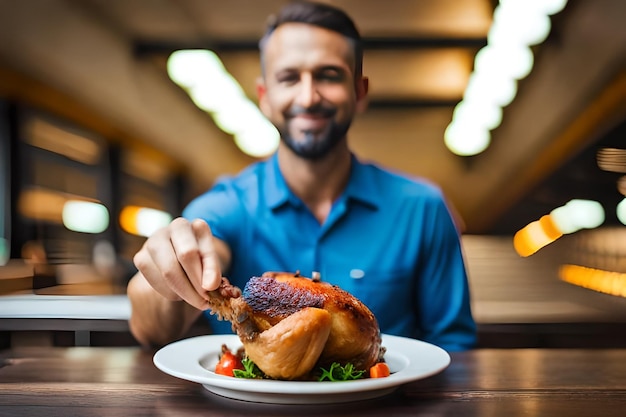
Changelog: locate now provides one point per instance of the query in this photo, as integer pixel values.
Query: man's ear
(362, 99)
(261, 92)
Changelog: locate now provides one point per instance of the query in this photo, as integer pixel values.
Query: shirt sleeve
(220, 208)
(443, 297)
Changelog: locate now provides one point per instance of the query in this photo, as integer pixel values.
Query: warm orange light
(42, 205)
(56, 139)
(573, 216)
(535, 236)
(550, 228)
(128, 219)
(143, 221)
(608, 282)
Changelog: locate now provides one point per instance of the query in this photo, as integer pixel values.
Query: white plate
(195, 358)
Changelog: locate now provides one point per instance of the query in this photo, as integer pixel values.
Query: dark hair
(317, 14)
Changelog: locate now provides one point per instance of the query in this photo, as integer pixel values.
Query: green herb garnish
(250, 371)
(340, 373)
(336, 373)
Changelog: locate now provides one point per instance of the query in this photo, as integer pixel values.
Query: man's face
(308, 91)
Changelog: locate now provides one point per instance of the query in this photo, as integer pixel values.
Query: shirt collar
(276, 191)
(361, 185)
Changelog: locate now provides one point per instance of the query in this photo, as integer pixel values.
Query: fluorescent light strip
(517, 25)
(214, 90)
(608, 282)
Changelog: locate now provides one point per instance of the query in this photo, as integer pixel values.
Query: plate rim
(198, 347)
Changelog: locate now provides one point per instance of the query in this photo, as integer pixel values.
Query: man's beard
(314, 145)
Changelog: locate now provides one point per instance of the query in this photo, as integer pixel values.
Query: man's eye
(287, 78)
(333, 76)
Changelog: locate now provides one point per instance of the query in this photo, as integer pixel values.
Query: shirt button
(357, 273)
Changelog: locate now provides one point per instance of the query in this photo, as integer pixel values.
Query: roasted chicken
(290, 324)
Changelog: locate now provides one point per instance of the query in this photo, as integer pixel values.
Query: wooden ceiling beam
(143, 47)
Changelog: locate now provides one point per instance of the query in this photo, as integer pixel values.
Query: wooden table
(91, 381)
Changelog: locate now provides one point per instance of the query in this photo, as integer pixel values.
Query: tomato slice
(228, 363)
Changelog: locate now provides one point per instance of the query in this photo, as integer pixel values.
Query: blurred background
(113, 115)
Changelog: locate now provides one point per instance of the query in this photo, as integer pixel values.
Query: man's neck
(318, 183)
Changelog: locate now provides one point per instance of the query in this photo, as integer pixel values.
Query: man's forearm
(156, 321)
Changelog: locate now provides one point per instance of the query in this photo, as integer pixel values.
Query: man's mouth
(318, 111)
(311, 120)
(310, 123)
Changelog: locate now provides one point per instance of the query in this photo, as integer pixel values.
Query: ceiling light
(187, 68)
(578, 214)
(517, 25)
(514, 61)
(217, 97)
(547, 7)
(621, 211)
(85, 216)
(143, 221)
(550, 7)
(229, 117)
(608, 282)
(496, 89)
(259, 137)
(535, 236)
(214, 90)
(466, 140)
(573, 216)
(478, 112)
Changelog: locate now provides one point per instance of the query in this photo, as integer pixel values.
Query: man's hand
(183, 261)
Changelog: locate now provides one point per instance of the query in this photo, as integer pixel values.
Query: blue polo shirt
(389, 240)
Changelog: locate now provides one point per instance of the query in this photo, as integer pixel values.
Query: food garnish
(228, 363)
(336, 372)
(240, 366)
(380, 370)
(250, 371)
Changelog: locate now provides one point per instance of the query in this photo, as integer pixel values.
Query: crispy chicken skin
(291, 348)
(290, 324)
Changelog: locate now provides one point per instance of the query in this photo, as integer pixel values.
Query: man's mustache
(317, 110)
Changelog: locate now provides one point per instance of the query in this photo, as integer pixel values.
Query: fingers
(187, 255)
(173, 286)
(171, 262)
(143, 262)
(195, 251)
(211, 269)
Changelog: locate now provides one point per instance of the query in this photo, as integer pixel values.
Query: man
(313, 206)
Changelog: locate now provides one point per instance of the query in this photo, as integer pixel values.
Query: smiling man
(313, 206)
(311, 86)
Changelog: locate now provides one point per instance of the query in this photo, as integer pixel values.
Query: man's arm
(155, 320)
(443, 293)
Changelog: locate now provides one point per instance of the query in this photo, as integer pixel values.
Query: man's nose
(308, 95)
